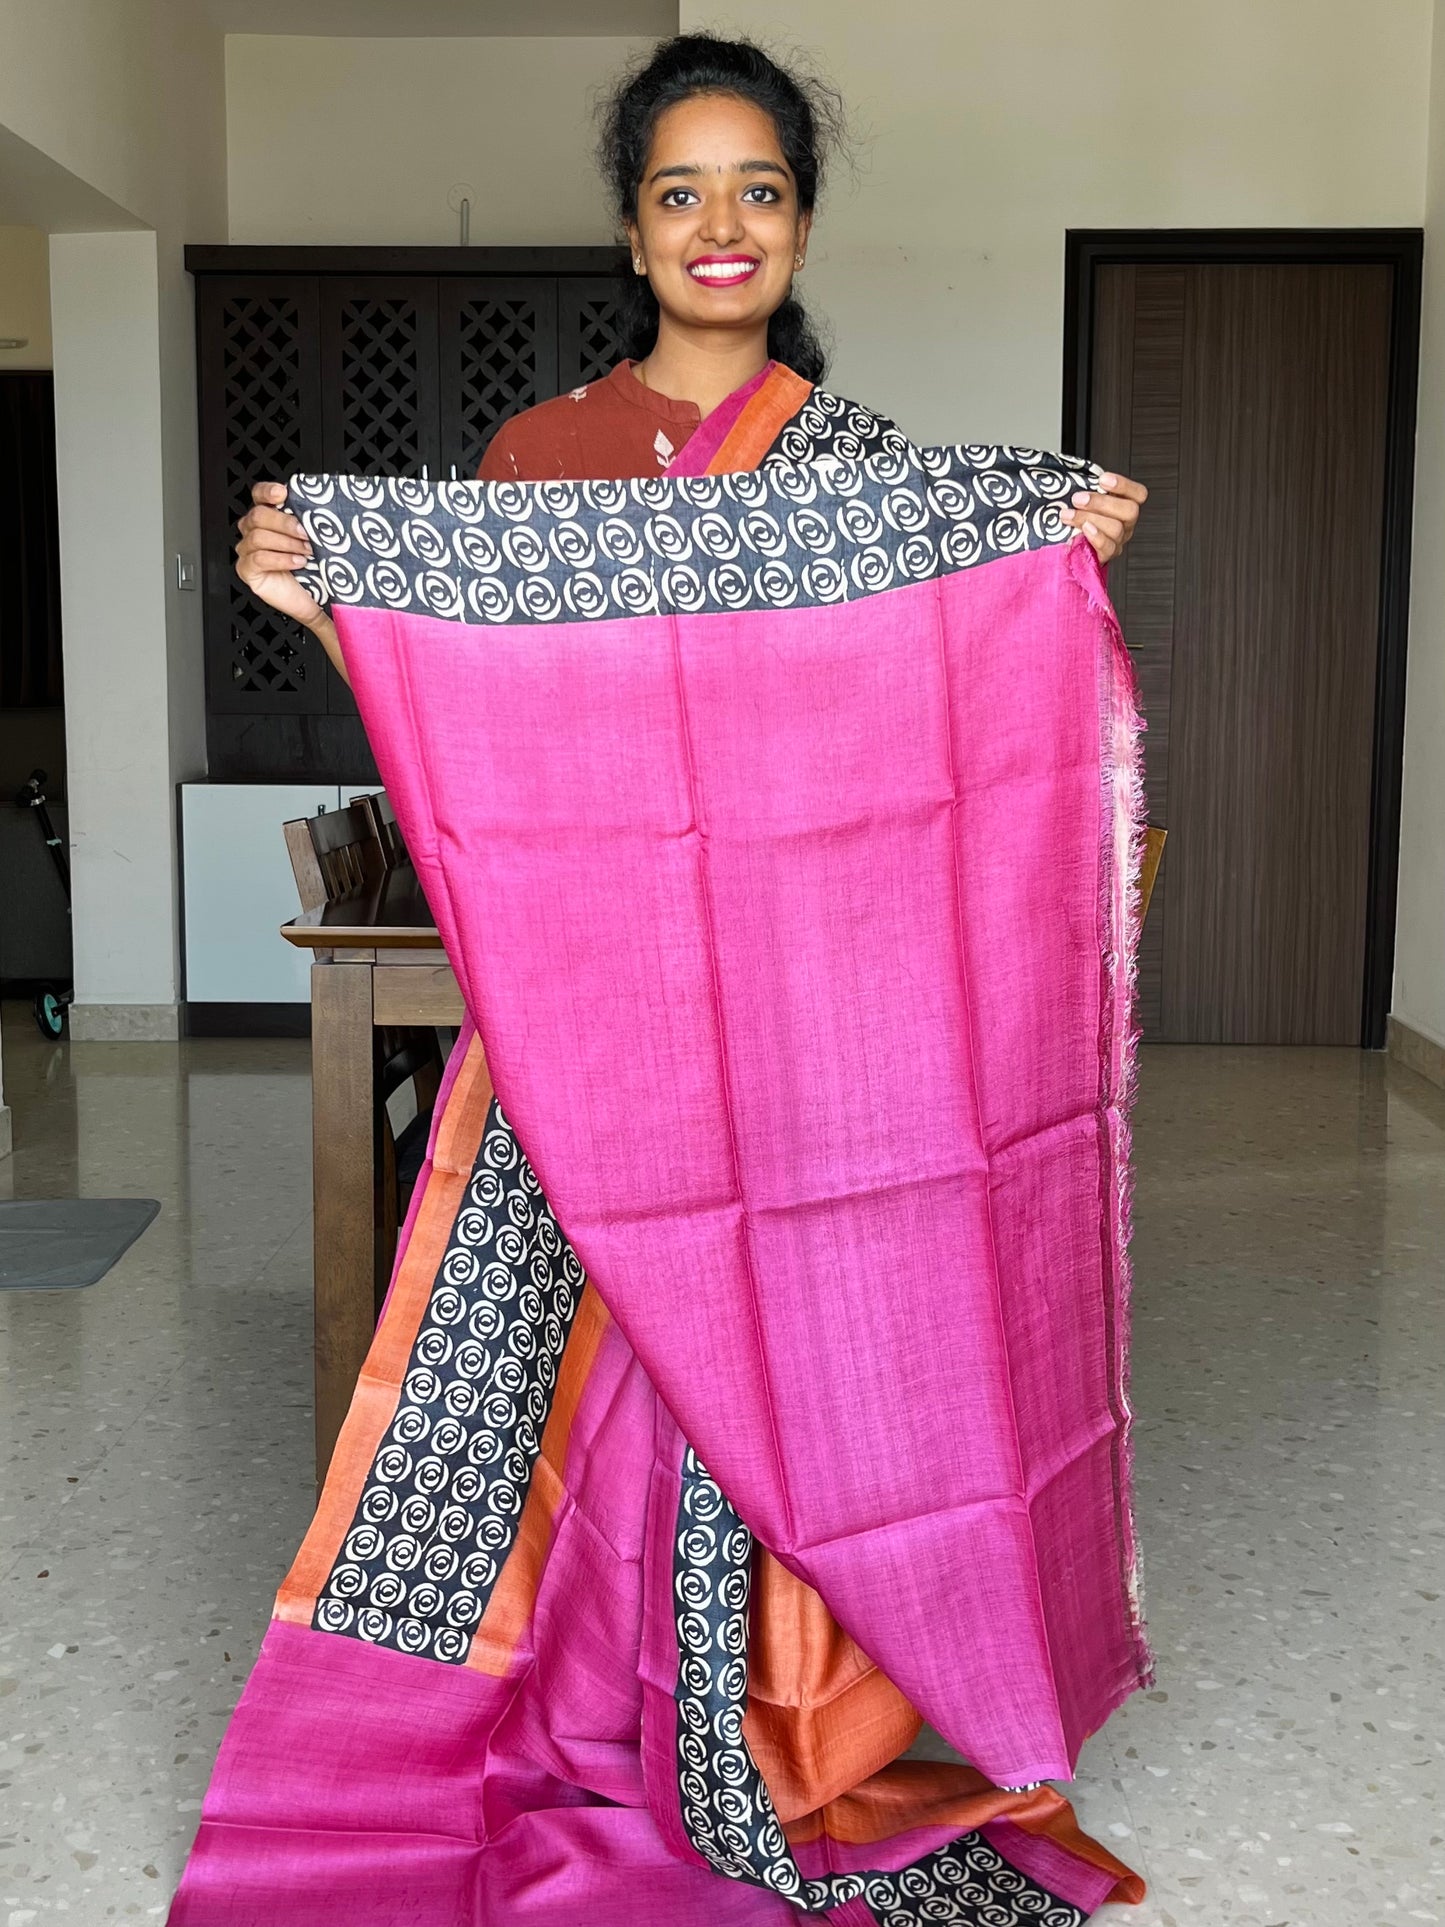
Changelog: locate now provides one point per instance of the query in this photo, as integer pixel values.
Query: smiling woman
(779, 810)
(714, 155)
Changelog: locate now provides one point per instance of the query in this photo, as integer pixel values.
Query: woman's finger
(252, 545)
(1104, 537)
(272, 521)
(271, 493)
(268, 561)
(267, 546)
(1122, 487)
(1111, 522)
(1119, 508)
(1123, 508)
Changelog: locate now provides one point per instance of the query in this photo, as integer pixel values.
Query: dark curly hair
(809, 120)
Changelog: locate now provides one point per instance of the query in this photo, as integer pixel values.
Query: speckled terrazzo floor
(1290, 1383)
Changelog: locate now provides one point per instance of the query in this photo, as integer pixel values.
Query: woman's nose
(722, 223)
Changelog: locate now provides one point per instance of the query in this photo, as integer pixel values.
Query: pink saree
(752, 1383)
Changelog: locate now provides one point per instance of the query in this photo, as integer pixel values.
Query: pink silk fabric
(800, 943)
(785, 951)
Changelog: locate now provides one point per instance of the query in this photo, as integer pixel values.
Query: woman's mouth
(723, 270)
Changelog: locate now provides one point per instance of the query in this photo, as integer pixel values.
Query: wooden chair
(335, 855)
(387, 829)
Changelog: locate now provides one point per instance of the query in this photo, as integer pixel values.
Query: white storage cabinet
(239, 890)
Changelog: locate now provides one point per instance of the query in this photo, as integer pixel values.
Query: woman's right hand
(272, 547)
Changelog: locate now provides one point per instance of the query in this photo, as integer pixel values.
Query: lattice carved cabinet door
(379, 375)
(260, 420)
(498, 355)
(587, 343)
(380, 412)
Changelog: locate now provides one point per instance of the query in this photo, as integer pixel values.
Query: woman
(545, 1788)
(714, 157)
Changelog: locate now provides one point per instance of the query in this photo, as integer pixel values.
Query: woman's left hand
(1108, 518)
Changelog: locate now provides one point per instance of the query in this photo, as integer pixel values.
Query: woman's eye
(678, 197)
(762, 193)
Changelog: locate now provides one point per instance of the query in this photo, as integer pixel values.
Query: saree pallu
(752, 1384)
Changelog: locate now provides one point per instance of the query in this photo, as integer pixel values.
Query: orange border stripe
(1061, 1827)
(378, 1390)
(509, 1610)
(912, 1794)
(756, 428)
(821, 1717)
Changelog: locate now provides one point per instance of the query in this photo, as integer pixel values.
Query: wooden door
(1253, 400)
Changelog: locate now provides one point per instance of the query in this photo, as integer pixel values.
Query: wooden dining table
(376, 961)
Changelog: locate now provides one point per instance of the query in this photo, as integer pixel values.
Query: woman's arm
(272, 547)
(1108, 518)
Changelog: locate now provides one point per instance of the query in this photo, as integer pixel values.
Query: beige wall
(1420, 930)
(25, 297)
(125, 101)
(125, 95)
(335, 141)
(988, 130)
(107, 386)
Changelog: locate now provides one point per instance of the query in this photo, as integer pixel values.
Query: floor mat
(60, 1244)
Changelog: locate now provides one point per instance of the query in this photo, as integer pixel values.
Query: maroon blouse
(610, 430)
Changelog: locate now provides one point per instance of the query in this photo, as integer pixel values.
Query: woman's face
(718, 227)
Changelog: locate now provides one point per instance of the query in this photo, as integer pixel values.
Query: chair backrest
(334, 854)
(310, 884)
(388, 830)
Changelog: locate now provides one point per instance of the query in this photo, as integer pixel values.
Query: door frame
(1401, 250)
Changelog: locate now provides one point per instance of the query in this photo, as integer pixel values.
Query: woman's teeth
(722, 270)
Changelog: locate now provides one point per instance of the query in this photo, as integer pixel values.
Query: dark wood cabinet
(380, 398)
(382, 361)
(258, 370)
(498, 338)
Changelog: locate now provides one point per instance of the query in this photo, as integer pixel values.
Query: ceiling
(424, 19)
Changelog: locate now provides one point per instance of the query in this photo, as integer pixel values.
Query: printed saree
(752, 1383)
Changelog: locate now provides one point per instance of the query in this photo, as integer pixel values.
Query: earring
(637, 267)
(797, 260)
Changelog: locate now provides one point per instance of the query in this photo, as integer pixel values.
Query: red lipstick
(723, 270)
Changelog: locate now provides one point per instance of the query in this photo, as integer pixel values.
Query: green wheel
(50, 1013)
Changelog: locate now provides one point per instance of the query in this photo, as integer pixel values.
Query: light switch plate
(185, 572)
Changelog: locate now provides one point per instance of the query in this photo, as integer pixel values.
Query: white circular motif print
(439, 1510)
(727, 1811)
(842, 507)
